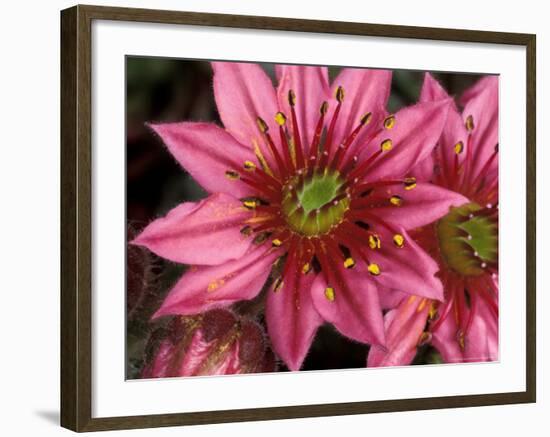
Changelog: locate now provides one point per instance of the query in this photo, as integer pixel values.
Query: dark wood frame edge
(76, 224)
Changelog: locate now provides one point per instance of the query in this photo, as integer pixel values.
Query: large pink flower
(312, 192)
(464, 328)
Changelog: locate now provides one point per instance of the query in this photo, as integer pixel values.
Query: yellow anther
(349, 263)
(386, 145)
(432, 312)
(247, 230)
(340, 94)
(324, 108)
(409, 183)
(396, 200)
(374, 269)
(389, 122)
(278, 284)
(276, 242)
(306, 268)
(329, 293)
(365, 119)
(249, 166)
(399, 240)
(280, 118)
(262, 125)
(250, 203)
(461, 339)
(291, 98)
(374, 242)
(233, 175)
(469, 123)
(459, 147)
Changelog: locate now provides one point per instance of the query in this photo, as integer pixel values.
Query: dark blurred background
(162, 89)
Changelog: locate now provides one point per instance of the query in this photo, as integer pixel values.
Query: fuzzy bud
(216, 342)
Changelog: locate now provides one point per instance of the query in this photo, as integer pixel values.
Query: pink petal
(355, 311)
(389, 299)
(310, 84)
(203, 288)
(481, 343)
(243, 93)
(424, 170)
(292, 320)
(432, 90)
(453, 132)
(415, 133)
(207, 232)
(409, 268)
(404, 327)
(365, 90)
(420, 206)
(481, 102)
(207, 152)
(444, 339)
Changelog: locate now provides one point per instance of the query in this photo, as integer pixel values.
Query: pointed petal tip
(161, 312)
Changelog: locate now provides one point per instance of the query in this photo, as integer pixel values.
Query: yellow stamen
(409, 183)
(374, 242)
(329, 294)
(399, 240)
(349, 263)
(249, 166)
(365, 119)
(433, 311)
(306, 268)
(278, 284)
(374, 269)
(291, 98)
(396, 200)
(250, 203)
(340, 94)
(262, 125)
(276, 242)
(469, 123)
(386, 145)
(389, 122)
(459, 147)
(233, 175)
(280, 118)
(461, 338)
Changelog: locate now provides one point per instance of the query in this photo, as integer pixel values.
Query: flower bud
(216, 342)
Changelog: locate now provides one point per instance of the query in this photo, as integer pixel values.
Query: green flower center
(468, 239)
(314, 203)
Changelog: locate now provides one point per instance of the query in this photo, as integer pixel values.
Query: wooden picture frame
(76, 217)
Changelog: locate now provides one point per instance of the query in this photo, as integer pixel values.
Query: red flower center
(313, 202)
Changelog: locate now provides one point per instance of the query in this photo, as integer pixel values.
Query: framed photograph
(267, 218)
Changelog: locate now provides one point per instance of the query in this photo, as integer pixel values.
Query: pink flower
(464, 327)
(213, 343)
(312, 193)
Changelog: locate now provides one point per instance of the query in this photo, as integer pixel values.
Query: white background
(29, 181)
